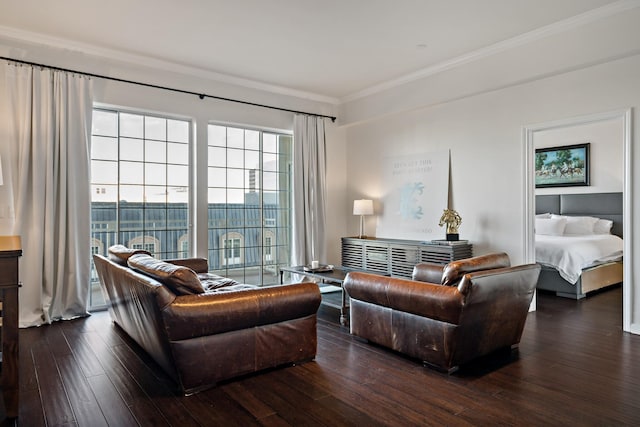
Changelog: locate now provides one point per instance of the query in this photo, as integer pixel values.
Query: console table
(396, 258)
(10, 251)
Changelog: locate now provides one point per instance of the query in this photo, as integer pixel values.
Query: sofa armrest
(430, 300)
(428, 272)
(191, 316)
(199, 265)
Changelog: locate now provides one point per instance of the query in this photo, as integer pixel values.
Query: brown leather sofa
(447, 315)
(201, 328)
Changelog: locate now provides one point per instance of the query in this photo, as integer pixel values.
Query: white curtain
(309, 190)
(51, 129)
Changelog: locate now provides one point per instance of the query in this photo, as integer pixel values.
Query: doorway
(529, 136)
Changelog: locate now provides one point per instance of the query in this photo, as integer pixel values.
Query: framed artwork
(564, 166)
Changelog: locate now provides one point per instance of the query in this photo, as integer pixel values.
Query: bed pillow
(551, 226)
(543, 215)
(603, 226)
(578, 225)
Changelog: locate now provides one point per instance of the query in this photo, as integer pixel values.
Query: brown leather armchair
(471, 308)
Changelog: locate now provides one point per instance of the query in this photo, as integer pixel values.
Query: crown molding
(531, 36)
(155, 63)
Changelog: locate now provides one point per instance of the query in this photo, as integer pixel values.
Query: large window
(249, 193)
(139, 184)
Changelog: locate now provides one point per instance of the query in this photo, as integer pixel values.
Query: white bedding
(570, 254)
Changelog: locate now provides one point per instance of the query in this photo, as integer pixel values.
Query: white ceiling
(330, 49)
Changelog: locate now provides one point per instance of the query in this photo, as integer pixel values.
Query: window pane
(270, 181)
(270, 162)
(155, 151)
(235, 178)
(178, 131)
(131, 149)
(131, 193)
(178, 153)
(217, 135)
(104, 172)
(104, 193)
(217, 195)
(105, 123)
(155, 194)
(217, 156)
(178, 175)
(104, 148)
(131, 173)
(252, 140)
(252, 159)
(235, 138)
(269, 143)
(217, 177)
(155, 128)
(235, 196)
(178, 195)
(131, 125)
(155, 174)
(235, 158)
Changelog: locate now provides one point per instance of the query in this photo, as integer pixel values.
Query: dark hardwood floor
(575, 366)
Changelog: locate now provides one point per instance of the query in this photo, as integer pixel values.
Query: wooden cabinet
(10, 250)
(397, 258)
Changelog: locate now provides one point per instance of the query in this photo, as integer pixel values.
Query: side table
(335, 276)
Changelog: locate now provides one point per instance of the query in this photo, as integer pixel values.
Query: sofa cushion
(120, 254)
(181, 280)
(454, 271)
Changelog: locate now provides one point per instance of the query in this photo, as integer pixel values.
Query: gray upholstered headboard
(600, 205)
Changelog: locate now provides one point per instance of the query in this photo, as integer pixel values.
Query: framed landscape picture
(564, 166)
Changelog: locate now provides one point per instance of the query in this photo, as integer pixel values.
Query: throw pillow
(181, 280)
(212, 281)
(120, 254)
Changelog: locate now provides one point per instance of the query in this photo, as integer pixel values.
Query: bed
(576, 263)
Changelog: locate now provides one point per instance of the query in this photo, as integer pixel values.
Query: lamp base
(453, 237)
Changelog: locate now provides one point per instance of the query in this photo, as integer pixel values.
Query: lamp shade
(363, 207)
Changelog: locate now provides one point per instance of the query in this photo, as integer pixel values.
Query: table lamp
(362, 207)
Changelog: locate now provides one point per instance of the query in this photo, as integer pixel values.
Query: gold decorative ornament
(452, 219)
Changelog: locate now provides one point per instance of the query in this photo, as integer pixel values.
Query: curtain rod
(187, 92)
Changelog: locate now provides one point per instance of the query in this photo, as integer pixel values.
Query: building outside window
(140, 184)
(233, 249)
